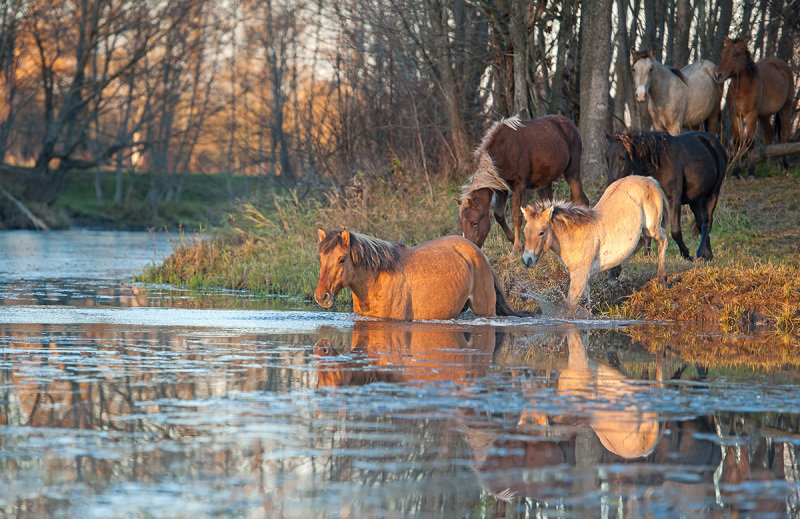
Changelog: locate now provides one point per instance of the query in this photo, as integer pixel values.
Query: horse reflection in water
(394, 352)
(605, 421)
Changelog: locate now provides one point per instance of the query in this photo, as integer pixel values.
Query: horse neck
(661, 80)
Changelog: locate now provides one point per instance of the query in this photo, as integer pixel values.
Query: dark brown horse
(757, 91)
(515, 156)
(689, 167)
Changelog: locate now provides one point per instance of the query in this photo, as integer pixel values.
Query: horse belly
(620, 240)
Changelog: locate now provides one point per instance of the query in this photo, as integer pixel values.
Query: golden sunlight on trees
(312, 91)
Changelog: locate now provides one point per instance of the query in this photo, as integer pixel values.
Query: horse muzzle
(325, 300)
(719, 77)
(529, 259)
(641, 94)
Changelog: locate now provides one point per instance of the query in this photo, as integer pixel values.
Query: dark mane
(636, 55)
(366, 251)
(678, 73)
(650, 147)
(566, 214)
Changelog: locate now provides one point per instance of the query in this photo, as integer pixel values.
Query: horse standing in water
(689, 168)
(515, 156)
(757, 91)
(686, 98)
(434, 280)
(590, 240)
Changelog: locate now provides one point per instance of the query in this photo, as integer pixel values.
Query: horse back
(702, 160)
(776, 84)
(704, 93)
(538, 152)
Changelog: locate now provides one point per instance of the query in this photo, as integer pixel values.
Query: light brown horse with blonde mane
(434, 280)
(590, 240)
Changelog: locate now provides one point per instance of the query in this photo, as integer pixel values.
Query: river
(120, 399)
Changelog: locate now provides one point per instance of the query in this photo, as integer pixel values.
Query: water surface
(119, 399)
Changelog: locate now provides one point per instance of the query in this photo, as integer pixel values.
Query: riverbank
(752, 281)
(205, 201)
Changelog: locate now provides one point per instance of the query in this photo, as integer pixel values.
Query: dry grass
(752, 281)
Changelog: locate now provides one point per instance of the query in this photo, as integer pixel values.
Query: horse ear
(548, 213)
(652, 54)
(321, 233)
(726, 41)
(527, 212)
(345, 236)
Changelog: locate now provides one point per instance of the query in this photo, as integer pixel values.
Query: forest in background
(315, 92)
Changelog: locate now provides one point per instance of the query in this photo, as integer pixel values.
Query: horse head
(619, 156)
(474, 217)
(538, 232)
(335, 265)
(734, 60)
(642, 67)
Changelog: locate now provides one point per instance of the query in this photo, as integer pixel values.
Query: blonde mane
(566, 214)
(515, 123)
(485, 176)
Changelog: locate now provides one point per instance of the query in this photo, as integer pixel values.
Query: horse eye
(474, 224)
(342, 259)
(541, 233)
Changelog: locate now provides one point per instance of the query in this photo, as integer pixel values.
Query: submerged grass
(754, 279)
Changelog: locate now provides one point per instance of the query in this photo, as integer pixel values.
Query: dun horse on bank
(591, 240)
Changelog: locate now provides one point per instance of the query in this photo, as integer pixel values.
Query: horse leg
(700, 210)
(675, 228)
(499, 209)
(783, 120)
(573, 177)
(578, 286)
(517, 199)
(750, 122)
(656, 231)
(546, 192)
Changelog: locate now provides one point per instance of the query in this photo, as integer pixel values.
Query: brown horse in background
(757, 91)
(434, 280)
(515, 156)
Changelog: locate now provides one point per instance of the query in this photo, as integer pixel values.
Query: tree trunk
(594, 84)
(680, 40)
(723, 28)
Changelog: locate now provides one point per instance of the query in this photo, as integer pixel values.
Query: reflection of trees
(437, 418)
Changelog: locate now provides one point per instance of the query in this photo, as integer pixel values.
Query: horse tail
(664, 202)
(501, 305)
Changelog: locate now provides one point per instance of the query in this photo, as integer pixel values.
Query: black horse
(690, 168)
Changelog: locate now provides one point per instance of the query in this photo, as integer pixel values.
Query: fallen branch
(762, 153)
(37, 222)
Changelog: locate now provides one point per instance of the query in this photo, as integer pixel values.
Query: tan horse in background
(434, 280)
(591, 240)
(685, 98)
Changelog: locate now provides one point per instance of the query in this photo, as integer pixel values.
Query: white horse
(590, 240)
(686, 98)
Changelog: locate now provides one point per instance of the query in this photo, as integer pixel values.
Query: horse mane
(485, 176)
(566, 214)
(678, 73)
(366, 251)
(645, 146)
(512, 122)
(639, 54)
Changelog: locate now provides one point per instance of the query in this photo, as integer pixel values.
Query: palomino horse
(523, 155)
(686, 98)
(689, 168)
(434, 280)
(757, 91)
(589, 240)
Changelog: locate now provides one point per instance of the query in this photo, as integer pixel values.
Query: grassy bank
(205, 201)
(752, 281)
